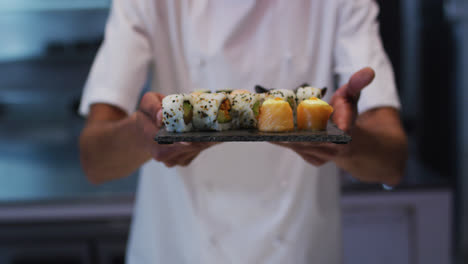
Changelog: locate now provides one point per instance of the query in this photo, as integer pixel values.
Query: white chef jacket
(237, 202)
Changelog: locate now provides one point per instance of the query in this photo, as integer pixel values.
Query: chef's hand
(344, 102)
(149, 121)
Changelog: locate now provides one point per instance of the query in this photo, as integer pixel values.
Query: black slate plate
(332, 134)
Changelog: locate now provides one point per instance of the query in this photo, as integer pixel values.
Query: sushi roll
(275, 115)
(246, 109)
(224, 91)
(211, 111)
(313, 114)
(306, 91)
(285, 94)
(177, 113)
(239, 92)
(200, 92)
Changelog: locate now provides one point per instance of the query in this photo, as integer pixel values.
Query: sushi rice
(245, 109)
(173, 113)
(306, 92)
(205, 112)
(285, 94)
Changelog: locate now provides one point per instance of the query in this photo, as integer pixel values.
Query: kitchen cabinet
(405, 227)
(43, 252)
(373, 235)
(50, 241)
(111, 252)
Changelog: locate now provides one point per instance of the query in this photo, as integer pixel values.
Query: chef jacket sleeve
(120, 68)
(358, 45)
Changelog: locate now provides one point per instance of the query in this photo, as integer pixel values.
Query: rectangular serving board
(333, 134)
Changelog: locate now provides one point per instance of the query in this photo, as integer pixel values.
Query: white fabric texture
(237, 202)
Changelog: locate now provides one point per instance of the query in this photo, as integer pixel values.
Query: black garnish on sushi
(324, 91)
(261, 89)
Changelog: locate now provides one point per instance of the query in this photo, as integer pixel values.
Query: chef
(239, 202)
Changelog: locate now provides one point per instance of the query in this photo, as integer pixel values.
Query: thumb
(358, 81)
(159, 119)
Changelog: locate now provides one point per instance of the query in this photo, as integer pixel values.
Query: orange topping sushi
(275, 115)
(313, 114)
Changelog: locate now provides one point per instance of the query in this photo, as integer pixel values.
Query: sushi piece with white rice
(177, 113)
(245, 109)
(211, 112)
(285, 94)
(305, 91)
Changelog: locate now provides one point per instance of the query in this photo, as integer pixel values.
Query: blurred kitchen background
(50, 214)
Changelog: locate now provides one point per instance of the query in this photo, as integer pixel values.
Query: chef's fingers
(160, 96)
(161, 152)
(182, 159)
(344, 114)
(292, 145)
(314, 160)
(326, 152)
(316, 153)
(174, 151)
(187, 160)
(151, 104)
(204, 145)
(306, 146)
(323, 154)
(146, 127)
(159, 118)
(358, 81)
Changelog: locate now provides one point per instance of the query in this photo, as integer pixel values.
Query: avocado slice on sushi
(292, 102)
(226, 91)
(256, 109)
(188, 112)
